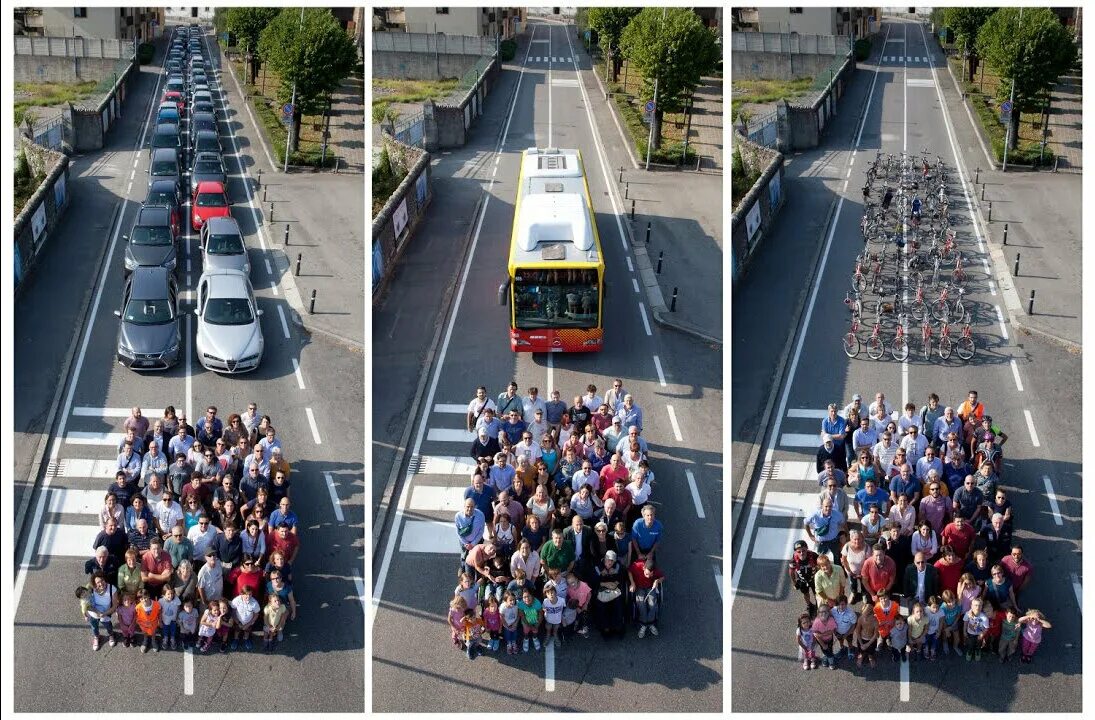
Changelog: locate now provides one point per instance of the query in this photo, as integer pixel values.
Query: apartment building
(125, 23)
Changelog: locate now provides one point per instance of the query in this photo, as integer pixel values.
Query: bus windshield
(556, 298)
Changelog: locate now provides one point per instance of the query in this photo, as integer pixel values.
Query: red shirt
(960, 540)
(948, 574)
(201, 492)
(639, 577)
(155, 564)
(1018, 573)
(608, 476)
(237, 578)
(287, 545)
(623, 499)
(877, 578)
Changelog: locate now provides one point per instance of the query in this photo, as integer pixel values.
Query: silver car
(223, 247)
(229, 336)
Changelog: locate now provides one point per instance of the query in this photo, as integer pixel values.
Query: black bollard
(633, 209)
(673, 302)
(298, 264)
(621, 174)
(1030, 305)
(647, 232)
(977, 176)
(264, 194)
(271, 212)
(982, 192)
(286, 233)
(1017, 256)
(312, 304)
(1005, 233)
(660, 254)
(990, 210)
(259, 179)
(627, 189)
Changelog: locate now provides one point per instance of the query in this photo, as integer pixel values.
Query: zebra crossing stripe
(67, 501)
(430, 536)
(64, 540)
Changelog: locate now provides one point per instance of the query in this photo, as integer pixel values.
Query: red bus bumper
(560, 340)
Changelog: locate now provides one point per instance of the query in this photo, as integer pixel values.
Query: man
(579, 413)
(136, 422)
(613, 433)
(959, 534)
(168, 514)
(996, 537)
(614, 398)
(501, 473)
(258, 459)
(284, 515)
(180, 444)
(828, 472)
(1018, 569)
(250, 419)
(879, 572)
(955, 471)
(631, 414)
(907, 419)
(483, 496)
(945, 425)
(285, 542)
(905, 484)
(640, 490)
(154, 490)
(969, 501)
(202, 536)
(470, 523)
(833, 491)
(180, 473)
(227, 491)
(879, 401)
(209, 468)
(921, 581)
(913, 444)
(934, 508)
(153, 462)
(830, 582)
(530, 404)
(555, 553)
(632, 437)
(614, 469)
(869, 495)
(506, 504)
(141, 536)
(252, 481)
(129, 462)
(833, 426)
(178, 546)
(971, 410)
(620, 495)
(885, 450)
(928, 415)
(509, 400)
(122, 489)
(156, 567)
(829, 453)
(581, 539)
(114, 540)
(484, 445)
(211, 415)
(210, 579)
(928, 463)
(645, 583)
(646, 535)
(802, 568)
(207, 433)
(553, 410)
(489, 423)
(823, 527)
(103, 562)
(585, 476)
(538, 428)
(865, 437)
(478, 404)
(229, 547)
(478, 561)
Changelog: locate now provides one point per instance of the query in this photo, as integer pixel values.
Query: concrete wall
(818, 20)
(778, 66)
(456, 21)
(41, 69)
(420, 66)
(35, 224)
(807, 123)
(750, 222)
(91, 124)
(447, 125)
(395, 224)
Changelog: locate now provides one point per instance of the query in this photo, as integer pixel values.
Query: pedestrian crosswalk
(906, 59)
(549, 59)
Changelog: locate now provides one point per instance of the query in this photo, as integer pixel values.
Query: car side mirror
(125, 237)
(196, 312)
(117, 313)
(503, 292)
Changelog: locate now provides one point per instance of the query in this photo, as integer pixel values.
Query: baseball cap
(617, 421)
(826, 437)
(857, 396)
(800, 545)
(611, 555)
(209, 552)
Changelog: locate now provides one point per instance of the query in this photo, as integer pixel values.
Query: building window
(442, 11)
(78, 12)
(795, 11)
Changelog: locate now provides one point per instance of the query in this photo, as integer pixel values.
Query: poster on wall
(18, 265)
(773, 192)
(399, 219)
(420, 189)
(752, 223)
(59, 191)
(38, 225)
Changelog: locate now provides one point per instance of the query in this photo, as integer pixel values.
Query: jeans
(96, 622)
(646, 602)
(170, 630)
(510, 635)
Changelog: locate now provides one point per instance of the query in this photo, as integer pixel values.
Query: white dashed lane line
(1003, 327)
(296, 371)
(312, 423)
(1015, 372)
(284, 325)
(673, 422)
(1030, 427)
(658, 367)
(334, 497)
(695, 494)
(646, 323)
(1052, 497)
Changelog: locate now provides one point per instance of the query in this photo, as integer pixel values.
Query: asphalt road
(671, 376)
(1021, 381)
(311, 387)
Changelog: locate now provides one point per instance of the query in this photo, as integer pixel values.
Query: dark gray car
(148, 335)
(207, 166)
(206, 141)
(165, 165)
(166, 135)
(151, 241)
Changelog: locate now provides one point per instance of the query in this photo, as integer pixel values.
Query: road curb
(37, 471)
(380, 520)
(966, 105)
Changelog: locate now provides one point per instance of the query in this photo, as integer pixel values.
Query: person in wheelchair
(645, 587)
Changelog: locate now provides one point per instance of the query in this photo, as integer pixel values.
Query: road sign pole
(293, 103)
(1011, 109)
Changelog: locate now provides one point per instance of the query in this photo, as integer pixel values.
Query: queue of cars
(187, 164)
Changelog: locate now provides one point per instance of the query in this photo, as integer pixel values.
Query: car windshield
(160, 198)
(151, 235)
(228, 311)
(556, 298)
(208, 145)
(149, 312)
(204, 125)
(164, 167)
(165, 140)
(168, 116)
(224, 245)
(212, 199)
(208, 167)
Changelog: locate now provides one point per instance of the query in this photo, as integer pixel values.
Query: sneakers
(813, 663)
(556, 641)
(805, 664)
(654, 630)
(281, 636)
(584, 631)
(111, 641)
(144, 648)
(536, 643)
(234, 644)
(173, 645)
(224, 647)
(851, 654)
(946, 648)
(977, 654)
(155, 646)
(642, 631)
(831, 662)
(204, 647)
(95, 643)
(969, 655)
(126, 642)
(247, 644)
(524, 645)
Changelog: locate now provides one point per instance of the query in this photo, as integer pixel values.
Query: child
(127, 619)
(952, 622)
(866, 634)
(935, 628)
(1009, 634)
(472, 626)
(273, 620)
(188, 623)
(210, 623)
(1032, 624)
(499, 578)
(227, 623)
(148, 620)
(976, 623)
(457, 606)
(247, 611)
(510, 628)
(468, 589)
(899, 638)
(578, 596)
(824, 627)
(886, 611)
(845, 618)
(555, 577)
(553, 612)
(996, 622)
(804, 636)
(169, 613)
(518, 584)
(918, 627)
(531, 616)
(493, 621)
(968, 589)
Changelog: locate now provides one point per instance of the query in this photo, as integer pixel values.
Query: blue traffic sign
(287, 109)
(650, 106)
(1006, 107)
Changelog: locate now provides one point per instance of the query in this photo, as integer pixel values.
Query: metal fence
(74, 47)
(790, 43)
(434, 43)
(763, 130)
(51, 132)
(468, 80)
(410, 130)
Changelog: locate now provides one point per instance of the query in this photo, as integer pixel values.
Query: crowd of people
(934, 533)
(557, 532)
(197, 537)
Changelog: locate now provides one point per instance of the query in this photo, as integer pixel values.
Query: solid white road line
(451, 435)
(903, 691)
(445, 465)
(68, 501)
(454, 408)
(743, 551)
(1077, 590)
(549, 667)
(359, 584)
(646, 323)
(673, 423)
(433, 537)
(109, 439)
(312, 424)
(1000, 317)
(188, 672)
(67, 540)
(1052, 496)
(296, 371)
(334, 496)
(630, 267)
(695, 494)
(189, 368)
(1015, 372)
(806, 440)
(550, 372)
(807, 413)
(105, 412)
(635, 284)
(1030, 426)
(549, 89)
(284, 325)
(718, 579)
(658, 368)
(434, 498)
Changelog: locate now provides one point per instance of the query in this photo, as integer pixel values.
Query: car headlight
(174, 348)
(124, 349)
(171, 262)
(130, 263)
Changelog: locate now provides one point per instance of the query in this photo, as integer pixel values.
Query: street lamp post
(653, 114)
(1011, 124)
(293, 102)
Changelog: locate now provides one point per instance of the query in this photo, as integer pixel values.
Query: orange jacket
(148, 620)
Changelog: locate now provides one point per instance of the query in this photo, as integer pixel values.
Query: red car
(176, 97)
(210, 200)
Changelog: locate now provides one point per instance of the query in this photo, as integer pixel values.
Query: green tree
(967, 23)
(315, 55)
(609, 24)
(1032, 53)
(672, 47)
(247, 24)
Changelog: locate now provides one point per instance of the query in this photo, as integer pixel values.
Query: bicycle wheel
(859, 282)
(851, 344)
(875, 348)
(899, 348)
(926, 345)
(966, 348)
(944, 347)
(917, 309)
(940, 309)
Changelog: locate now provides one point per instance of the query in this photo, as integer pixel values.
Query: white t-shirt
(169, 609)
(509, 614)
(935, 619)
(476, 406)
(553, 611)
(201, 540)
(246, 608)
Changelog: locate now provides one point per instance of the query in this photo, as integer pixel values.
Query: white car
(229, 338)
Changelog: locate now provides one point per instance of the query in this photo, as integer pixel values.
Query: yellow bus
(555, 284)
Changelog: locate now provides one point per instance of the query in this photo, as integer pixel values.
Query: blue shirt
(484, 501)
(644, 536)
(278, 517)
(513, 430)
(825, 528)
(634, 416)
(879, 498)
(179, 445)
(501, 478)
(470, 529)
(834, 428)
(493, 427)
(908, 489)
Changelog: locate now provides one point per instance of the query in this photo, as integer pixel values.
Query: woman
(170, 421)
(111, 510)
(585, 504)
(574, 442)
(258, 514)
(978, 567)
(589, 438)
(950, 569)
(102, 600)
(253, 540)
(129, 574)
(570, 465)
(852, 557)
(526, 559)
(608, 599)
(549, 455)
(563, 511)
(186, 582)
(229, 513)
(138, 509)
(904, 516)
(600, 545)
(999, 590)
(987, 479)
(599, 457)
(192, 510)
(566, 429)
(541, 505)
(865, 468)
(926, 541)
(535, 532)
(262, 500)
(505, 447)
(632, 457)
(260, 431)
(277, 585)
(504, 534)
(278, 562)
(233, 430)
(519, 491)
(526, 471)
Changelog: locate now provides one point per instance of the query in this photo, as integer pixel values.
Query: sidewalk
(707, 115)
(1042, 211)
(348, 124)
